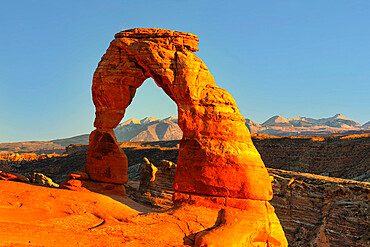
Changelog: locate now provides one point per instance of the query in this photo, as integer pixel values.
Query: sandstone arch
(217, 156)
(218, 166)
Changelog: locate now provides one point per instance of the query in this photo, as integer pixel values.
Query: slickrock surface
(217, 158)
(31, 215)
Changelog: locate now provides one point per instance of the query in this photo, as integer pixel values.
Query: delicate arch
(216, 157)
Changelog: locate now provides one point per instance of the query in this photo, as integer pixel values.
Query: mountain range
(147, 129)
(153, 129)
(305, 126)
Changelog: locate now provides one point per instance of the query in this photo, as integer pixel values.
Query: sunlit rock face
(216, 158)
(106, 162)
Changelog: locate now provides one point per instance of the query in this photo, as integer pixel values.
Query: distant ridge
(296, 126)
(154, 129)
(148, 129)
(366, 125)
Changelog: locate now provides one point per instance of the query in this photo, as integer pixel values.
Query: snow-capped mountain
(277, 121)
(148, 129)
(252, 126)
(366, 125)
(278, 125)
(154, 129)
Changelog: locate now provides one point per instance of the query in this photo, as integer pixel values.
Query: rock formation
(39, 178)
(13, 177)
(218, 165)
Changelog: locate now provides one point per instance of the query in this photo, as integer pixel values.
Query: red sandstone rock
(148, 173)
(106, 162)
(313, 209)
(99, 187)
(255, 225)
(79, 175)
(13, 177)
(216, 158)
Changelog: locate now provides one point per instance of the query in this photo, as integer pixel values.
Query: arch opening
(150, 100)
(151, 116)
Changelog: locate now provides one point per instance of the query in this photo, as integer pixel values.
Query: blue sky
(288, 58)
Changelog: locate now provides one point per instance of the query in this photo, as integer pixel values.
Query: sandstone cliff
(334, 156)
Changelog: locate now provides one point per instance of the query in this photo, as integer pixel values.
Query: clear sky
(289, 58)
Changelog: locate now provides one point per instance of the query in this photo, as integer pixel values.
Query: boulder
(39, 178)
(79, 175)
(148, 172)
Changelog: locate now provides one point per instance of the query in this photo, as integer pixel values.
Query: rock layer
(336, 156)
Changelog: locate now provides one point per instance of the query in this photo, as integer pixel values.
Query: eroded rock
(216, 157)
(216, 144)
(106, 162)
(13, 177)
(39, 178)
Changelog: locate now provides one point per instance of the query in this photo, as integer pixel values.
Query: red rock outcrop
(13, 177)
(216, 145)
(106, 162)
(217, 158)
